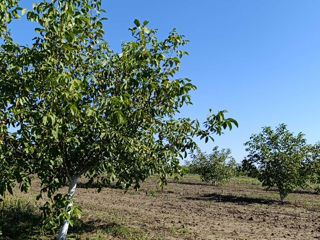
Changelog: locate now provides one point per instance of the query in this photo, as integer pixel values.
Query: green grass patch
(192, 177)
(179, 231)
(245, 180)
(153, 194)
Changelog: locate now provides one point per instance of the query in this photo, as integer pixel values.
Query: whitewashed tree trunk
(64, 228)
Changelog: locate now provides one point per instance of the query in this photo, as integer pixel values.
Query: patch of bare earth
(192, 210)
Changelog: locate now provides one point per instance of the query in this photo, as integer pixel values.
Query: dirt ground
(189, 209)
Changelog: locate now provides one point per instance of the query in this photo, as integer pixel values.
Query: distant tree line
(278, 158)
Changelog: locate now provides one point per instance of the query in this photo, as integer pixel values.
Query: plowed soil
(190, 209)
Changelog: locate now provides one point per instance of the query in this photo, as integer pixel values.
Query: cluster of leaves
(72, 107)
(216, 167)
(279, 159)
(314, 162)
(54, 214)
(14, 167)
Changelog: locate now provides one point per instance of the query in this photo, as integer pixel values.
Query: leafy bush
(215, 167)
(279, 159)
(185, 170)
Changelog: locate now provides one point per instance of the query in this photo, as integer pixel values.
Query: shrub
(215, 167)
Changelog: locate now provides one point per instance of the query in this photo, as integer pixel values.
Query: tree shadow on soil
(233, 199)
(192, 183)
(298, 191)
(93, 226)
(24, 223)
(19, 223)
(97, 186)
(108, 228)
(306, 191)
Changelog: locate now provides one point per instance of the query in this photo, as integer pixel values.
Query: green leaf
(74, 109)
(45, 120)
(120, 118)
(55, 134)
(24, 11)
(70, 36)
(16, 15)
(146, 30)
(137, 23)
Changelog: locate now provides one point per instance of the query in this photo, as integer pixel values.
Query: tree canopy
(216, 167)
(279, 159)
(71, 107)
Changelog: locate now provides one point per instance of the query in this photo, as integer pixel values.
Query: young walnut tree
(216, 167)
(71, 107)
(279, 159)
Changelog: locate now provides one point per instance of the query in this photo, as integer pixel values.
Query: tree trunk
(282, 197)
(64, 228)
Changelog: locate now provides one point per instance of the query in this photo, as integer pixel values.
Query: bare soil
(190, 209)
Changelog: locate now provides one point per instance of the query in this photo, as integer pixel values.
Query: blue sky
(258, 59)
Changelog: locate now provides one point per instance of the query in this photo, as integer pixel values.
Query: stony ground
(189, 209)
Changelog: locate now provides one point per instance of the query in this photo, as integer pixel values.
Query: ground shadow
(192, 183)
(306, 191)
(298, 191)
(19, 223)
(97, 185)
(233, 199)
(93, 226)
(23, 222)
(106, 228)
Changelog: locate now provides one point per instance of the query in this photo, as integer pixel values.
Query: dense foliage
(72, 107)
(216, 167)
(279, 159)
(314, 163)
